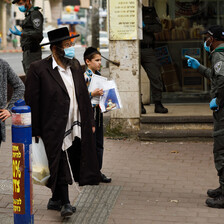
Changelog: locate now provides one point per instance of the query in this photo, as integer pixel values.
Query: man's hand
(192, 62)
(213, 105)
(4, 114)
(93, 129)
(16, 31)
(97, 92)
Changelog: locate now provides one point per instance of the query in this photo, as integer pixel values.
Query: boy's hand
(97, 92)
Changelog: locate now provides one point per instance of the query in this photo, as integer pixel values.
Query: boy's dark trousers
(99, 135)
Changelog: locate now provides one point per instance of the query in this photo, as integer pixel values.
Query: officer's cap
(215, 31)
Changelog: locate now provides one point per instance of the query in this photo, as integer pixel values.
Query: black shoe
(214, 193)
(216, 202)
(105, 179)
(54, 205)
(143, 110)
(67, 210)
(159, 108)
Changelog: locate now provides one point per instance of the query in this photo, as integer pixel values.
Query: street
(14, 59)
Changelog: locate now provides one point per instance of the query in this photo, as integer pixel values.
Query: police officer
(151, 25)
(31, 34)
(214, 44)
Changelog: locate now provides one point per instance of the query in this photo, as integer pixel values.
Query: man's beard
(60, 55)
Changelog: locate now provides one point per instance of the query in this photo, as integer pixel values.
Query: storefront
(182, 22)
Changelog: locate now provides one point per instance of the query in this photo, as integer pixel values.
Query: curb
(11, 51)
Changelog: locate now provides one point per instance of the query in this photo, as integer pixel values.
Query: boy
(92, 58)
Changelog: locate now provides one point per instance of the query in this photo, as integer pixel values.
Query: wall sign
(123, 19)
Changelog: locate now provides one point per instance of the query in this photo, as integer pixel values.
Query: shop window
(182, 24)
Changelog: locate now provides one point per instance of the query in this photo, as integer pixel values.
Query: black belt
(143, 45)
(33, 48)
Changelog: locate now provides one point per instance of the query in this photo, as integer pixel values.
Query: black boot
(217, 202)
(214, 193)
(143, 110)
(159, 108)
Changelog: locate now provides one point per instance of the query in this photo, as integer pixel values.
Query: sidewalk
(152, 183)
(10, 49)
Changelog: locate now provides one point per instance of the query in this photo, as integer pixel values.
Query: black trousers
(152, 67)
(99, 135)
(218, 148)
(29, 57)
(69, 161)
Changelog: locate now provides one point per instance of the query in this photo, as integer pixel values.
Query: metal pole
(95, 23)
(22, 171)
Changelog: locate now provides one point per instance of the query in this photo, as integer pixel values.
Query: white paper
(97, 81)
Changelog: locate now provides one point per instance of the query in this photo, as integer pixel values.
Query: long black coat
(48, 98)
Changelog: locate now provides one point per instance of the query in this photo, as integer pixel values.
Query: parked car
(45, 40)
(103, 42)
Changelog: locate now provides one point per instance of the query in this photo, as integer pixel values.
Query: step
(175, 127)
(178, 134)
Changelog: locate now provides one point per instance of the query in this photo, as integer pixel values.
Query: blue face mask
(69, 52)
(207, 48)
(22, 8)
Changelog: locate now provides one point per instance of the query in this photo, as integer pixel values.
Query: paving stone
(94, 204)
(6, 187)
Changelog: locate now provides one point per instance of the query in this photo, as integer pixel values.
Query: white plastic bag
(40, 168)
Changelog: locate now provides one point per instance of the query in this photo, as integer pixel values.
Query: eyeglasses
(67, 45)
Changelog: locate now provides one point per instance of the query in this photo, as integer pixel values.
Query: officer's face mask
(22, 8)
(69, 52)
(207, 48)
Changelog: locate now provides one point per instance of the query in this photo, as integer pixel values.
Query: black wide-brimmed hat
(58, 35)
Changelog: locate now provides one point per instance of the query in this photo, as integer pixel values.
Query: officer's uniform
(216, 75)
(32, 35)
(148, 60)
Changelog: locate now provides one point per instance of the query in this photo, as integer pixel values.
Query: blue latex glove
(192, 62)
(143, 24)
(16, 31)
(213, 105)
